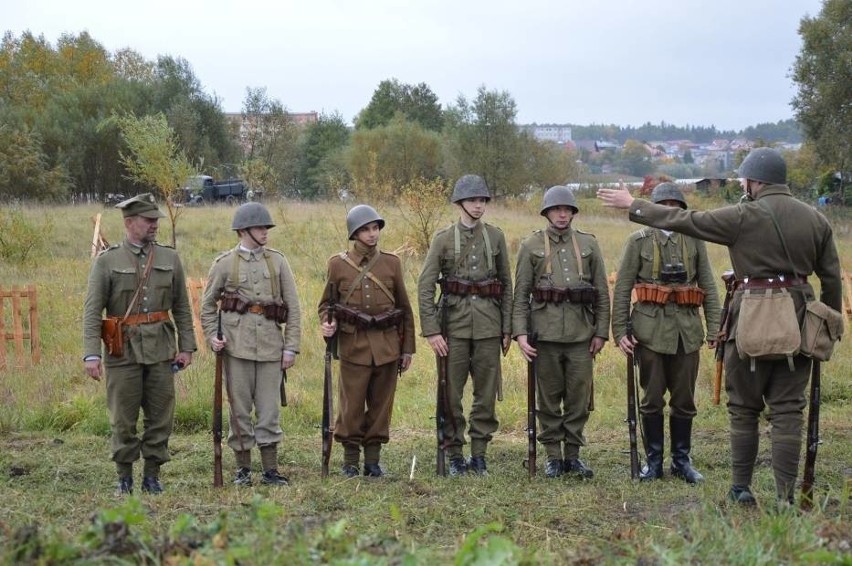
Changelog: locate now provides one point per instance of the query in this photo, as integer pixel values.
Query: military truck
(202, 189)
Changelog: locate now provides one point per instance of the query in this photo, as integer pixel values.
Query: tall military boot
(652, 428)
(680, 430)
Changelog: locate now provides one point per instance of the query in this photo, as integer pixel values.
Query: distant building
(239, 125)
(555, 133)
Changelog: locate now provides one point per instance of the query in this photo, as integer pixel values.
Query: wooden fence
(24, 325)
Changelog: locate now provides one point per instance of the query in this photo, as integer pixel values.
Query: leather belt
(146, 318)
(772, 283)
(256, 309)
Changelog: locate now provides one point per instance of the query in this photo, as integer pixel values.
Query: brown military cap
(140, 205)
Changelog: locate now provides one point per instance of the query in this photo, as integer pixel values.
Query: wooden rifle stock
(327, 388)
(532, 433)
(813, 439)
(217, 413)
(441, 396)
(722, 334)
(632, 362)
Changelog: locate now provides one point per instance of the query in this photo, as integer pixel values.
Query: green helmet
(668, 191)
(470, 186)
(766, 165)
(360, 216)
(250, 215)
(558, 195)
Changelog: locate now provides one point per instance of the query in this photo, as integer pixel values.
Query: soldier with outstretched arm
(750, 230)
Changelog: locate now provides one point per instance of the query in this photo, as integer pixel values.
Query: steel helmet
(668, 191)
(360, 216)
(250, 215)
(558, 195)
(470, 186)
(766, 165)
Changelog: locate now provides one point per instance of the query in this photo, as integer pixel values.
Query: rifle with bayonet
(532, 340)
(632, 363)
(722, 335)
(441, 393)
(327, 389)
(813, 439)
(217, 413)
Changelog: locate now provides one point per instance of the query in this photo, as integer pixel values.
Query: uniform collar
(248, 254)
(557, 235)
(360, 252)
(469, 229)
(136, 249)
(774, 190)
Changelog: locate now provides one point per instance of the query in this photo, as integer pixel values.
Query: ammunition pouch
(463, 287)
(662, 294)
(234, 302)
(580, 294)
(364, 321)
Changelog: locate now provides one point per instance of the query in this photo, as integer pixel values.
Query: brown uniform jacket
(373, 346)
(753, 243)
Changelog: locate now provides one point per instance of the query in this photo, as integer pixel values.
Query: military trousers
(675, 373)
(151, 388)
(564, 388)
(256, 385)
(771, 385)
(479, 359)
(366, 396)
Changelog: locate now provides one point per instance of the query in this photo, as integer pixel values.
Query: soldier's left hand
(507, 341)
(596, 345)
(287, 360)
(183, 359)
(712, 344)
(405, 362)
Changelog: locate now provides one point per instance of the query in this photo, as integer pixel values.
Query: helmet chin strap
(253, 239)
(467, 212)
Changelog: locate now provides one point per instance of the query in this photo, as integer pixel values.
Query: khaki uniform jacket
(113, 280)
(469, 317)
(373, 346)
(660, 327)
(252, 336)
(564, 322)
(753, 244)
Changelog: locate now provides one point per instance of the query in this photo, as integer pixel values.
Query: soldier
(469, 261)
(561, 295)
(672, 277)
(376, 340)
(138, 282)
(751, 230)
(255, 291)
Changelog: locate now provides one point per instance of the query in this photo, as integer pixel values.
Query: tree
(635, 159)
(822, 70)
(320, 166)
(269, 135)
(155, 160)
(24, 169)
(416, 102)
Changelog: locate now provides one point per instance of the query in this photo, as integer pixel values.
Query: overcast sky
(701, 62)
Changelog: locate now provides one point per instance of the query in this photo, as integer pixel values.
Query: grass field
(56, 480)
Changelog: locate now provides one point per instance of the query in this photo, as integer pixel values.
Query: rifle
(217, 414)
(283, 388)
(632, 362)
(813, 439)
(722, 335)
(532, 340)
(327, 400)
(441, 394)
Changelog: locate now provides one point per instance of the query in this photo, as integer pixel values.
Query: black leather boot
(652, 428)
(681, 433)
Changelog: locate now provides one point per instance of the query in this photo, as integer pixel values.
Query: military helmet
(558, 195)
(668, 191)
(470, 186)
(250, 215)
(360, 216)
(766, 165)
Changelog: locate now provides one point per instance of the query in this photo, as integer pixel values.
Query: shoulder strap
(365, 272)
(577, 254)
(143, 279)
(460, 254)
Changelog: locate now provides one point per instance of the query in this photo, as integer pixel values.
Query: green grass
(56, 480)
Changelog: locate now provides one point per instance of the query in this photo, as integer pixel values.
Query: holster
(112, 334)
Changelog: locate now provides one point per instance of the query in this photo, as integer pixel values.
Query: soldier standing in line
(672, 277)
(751, 230)
(252, 288)
(470, 262)
(376, 339)
(561, 295)
(139, 281)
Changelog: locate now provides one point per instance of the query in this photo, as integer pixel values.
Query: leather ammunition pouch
(234, 302)
(662, 294)
(463, 287)
(364, 321)
(580, 294)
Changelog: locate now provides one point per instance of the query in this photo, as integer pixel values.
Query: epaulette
(445, 229)
(585, 233)
(388, 253)
(493, 226)
(222, 255)
(273, 250)
(164, 245)
(640, 234)
(112, 247)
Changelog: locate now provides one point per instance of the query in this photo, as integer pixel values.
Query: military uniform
(564, 330)
(757, 255)
(669, 335)
(142, 377)
(475, 325)
(369, 352)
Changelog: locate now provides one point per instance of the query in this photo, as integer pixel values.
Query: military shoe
(349, 470)
(125, 485)
(477, 466)
(373, 470)
(152, 485)
(243, 477)
(272, 477)
(741, 494)
(458, 467)
(553, 468)
(576, 466)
